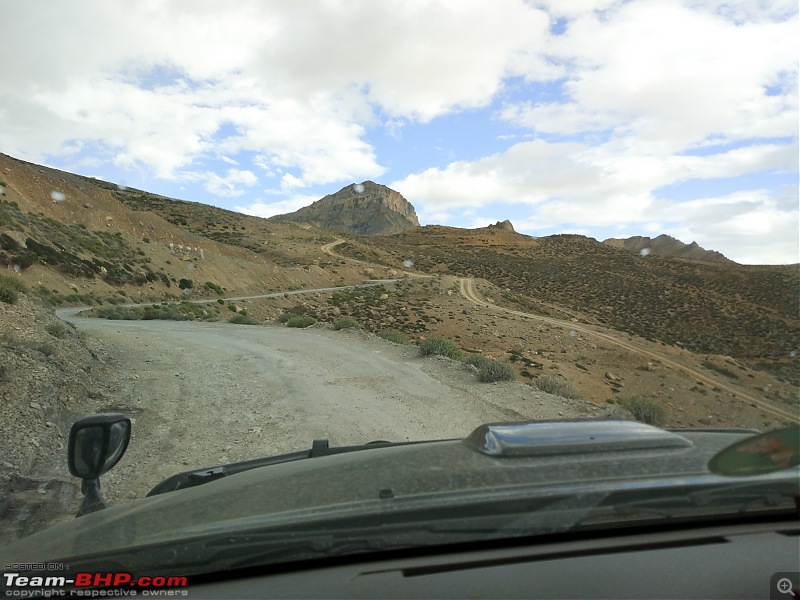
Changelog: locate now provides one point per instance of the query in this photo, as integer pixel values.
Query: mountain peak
(366, 208)
(666, 245)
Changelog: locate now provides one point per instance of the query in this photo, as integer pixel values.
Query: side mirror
(96, 444)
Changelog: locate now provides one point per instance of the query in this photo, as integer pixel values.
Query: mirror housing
(96, 444)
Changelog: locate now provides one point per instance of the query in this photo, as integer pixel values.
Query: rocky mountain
(665, 245)
(364, 208)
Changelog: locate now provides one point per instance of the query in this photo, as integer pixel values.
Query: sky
(599, 117)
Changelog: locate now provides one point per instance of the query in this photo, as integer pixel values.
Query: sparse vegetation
(672, 301)
(45, 348)
(345, 323)
(440, 346)
(495, 370)
(394, 335)
(213, 287)
(70, 249)
(646, 410)
(10, 288)
(244, 319)
(556, 386)
(300, 321)
(184, 311)
(57, 330)
(477, 360)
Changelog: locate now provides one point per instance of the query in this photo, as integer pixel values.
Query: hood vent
(547, 438)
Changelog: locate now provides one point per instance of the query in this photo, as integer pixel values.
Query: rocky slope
(364, 208)
(665, 245)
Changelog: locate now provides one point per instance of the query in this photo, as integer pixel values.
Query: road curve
(467, 288)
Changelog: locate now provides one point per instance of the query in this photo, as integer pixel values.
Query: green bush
(477, 360)
(232, 307)
(10, 288)
(8, 295)
(242, 319)
(186, 284)
(220, 301)
(45, 348)
(393, 335)
(56, 330)
(440, 346)
(556, 386)
(213, 287)
(345, 323)
(646, 410)
(494, 370)
(300, 321)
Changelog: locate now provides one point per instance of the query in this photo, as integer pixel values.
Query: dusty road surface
(202, 394)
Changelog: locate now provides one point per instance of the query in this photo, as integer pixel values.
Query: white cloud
(665, 72)
(298, 81)
(753, 227)
(270, 209)
(294, 90)
(227, 186)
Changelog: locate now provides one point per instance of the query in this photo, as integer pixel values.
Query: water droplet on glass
(573, 333)
(2, 190)
(644, 251)
(408, 264)
(793, 353)
(122, 187)
(58, 196)
(358, 188)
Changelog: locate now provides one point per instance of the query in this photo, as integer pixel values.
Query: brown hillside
(90, 238)
(743, 311)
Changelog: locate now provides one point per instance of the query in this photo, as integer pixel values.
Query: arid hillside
(76, 240)
(713, 341)
(748, 312)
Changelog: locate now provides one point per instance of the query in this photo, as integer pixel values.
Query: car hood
(489, 464)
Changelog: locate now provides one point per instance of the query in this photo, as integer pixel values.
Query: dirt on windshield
(202, 394)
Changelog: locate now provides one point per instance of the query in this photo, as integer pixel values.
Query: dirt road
(202, 394)
(467, 289)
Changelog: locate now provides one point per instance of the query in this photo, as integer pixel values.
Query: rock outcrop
(665, 245)
(365, 208)
(503, 225)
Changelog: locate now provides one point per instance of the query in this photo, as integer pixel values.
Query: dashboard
(722, 561)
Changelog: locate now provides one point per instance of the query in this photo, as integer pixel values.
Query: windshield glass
(250, 226)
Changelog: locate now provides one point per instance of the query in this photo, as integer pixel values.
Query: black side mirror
(96, 444)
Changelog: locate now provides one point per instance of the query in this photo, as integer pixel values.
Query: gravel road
(202, 394)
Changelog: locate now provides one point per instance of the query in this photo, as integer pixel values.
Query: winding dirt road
(467, 288)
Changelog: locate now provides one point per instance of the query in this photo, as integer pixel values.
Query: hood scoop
(548, 438)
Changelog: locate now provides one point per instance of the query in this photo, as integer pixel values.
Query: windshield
(252, 226)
